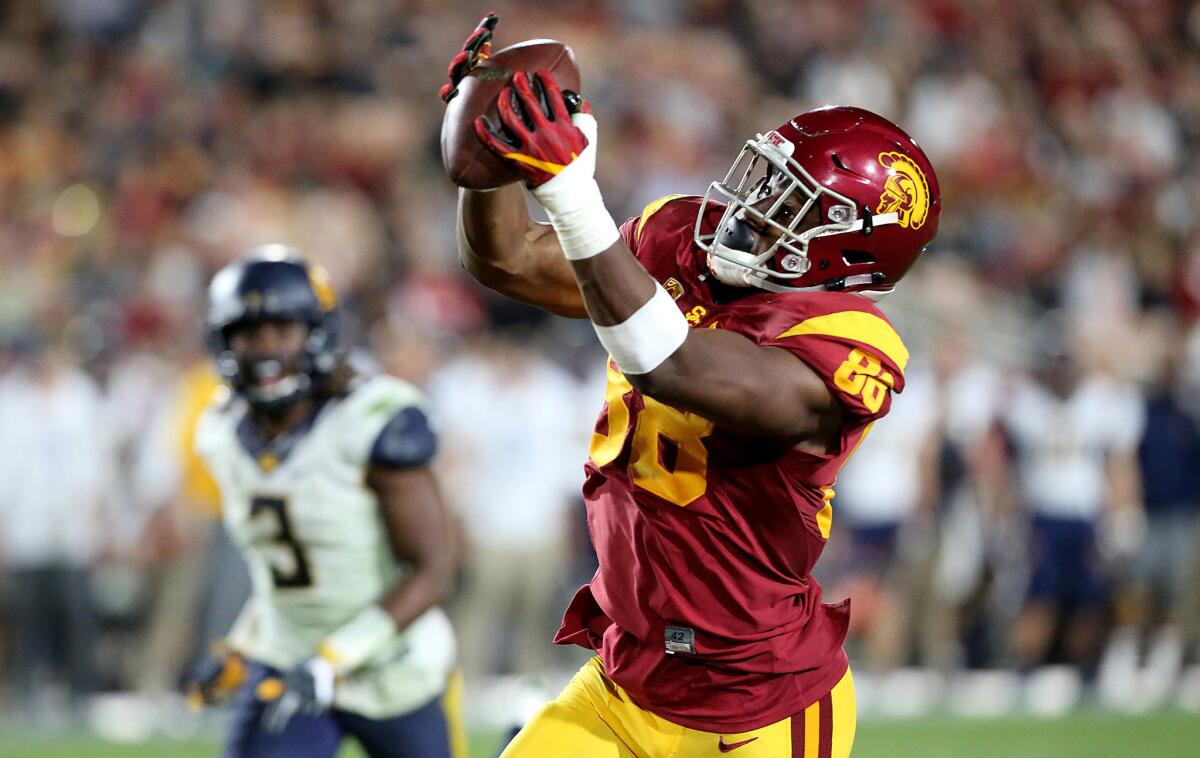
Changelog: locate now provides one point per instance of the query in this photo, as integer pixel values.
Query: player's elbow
(661, 383)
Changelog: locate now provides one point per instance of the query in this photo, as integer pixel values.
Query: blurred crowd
(1034, 498)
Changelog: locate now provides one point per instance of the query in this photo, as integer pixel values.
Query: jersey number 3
(668, 457)
(289, 564)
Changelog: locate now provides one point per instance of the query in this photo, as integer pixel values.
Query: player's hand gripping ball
(536, 136)
(478, 47)
(476, 78)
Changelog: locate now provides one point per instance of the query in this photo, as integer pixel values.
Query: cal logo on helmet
(906, 191)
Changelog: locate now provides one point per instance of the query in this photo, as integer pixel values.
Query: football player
(326, 488)
(747, 363)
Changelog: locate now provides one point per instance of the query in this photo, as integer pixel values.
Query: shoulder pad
(385, 396)
(650, 210)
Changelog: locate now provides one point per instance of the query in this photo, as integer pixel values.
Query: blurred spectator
(1155, 615)
(56, 473)
(514, 445)
(199, 580)
(1074, 437)
(885, 500)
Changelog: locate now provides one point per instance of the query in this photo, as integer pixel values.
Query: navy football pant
(423, 733)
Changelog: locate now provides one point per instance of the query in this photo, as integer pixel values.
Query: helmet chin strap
(734, 274)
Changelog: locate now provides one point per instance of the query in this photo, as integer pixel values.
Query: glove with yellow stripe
(215, 679)
(542, 129)
(309, 688)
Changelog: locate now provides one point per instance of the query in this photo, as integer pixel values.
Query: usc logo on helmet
(906, 191)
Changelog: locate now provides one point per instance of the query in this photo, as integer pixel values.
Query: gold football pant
(593, 718)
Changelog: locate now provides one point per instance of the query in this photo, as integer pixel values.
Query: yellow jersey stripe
(650, 210)
(859, 326)
(825, 515)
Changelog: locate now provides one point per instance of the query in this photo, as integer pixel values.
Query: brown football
(468, 162)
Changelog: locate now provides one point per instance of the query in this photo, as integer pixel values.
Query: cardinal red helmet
(870, 205)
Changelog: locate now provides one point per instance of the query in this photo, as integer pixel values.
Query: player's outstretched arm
(498, 243)
(723, 376)
(507, 251)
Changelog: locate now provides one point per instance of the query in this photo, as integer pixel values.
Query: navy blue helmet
(273, 283)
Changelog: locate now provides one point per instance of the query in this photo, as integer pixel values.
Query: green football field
(1085, 735)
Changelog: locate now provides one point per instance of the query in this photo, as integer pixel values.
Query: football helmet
(837, 198)
(273, 283)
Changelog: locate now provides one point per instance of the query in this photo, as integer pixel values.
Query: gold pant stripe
(452, 706)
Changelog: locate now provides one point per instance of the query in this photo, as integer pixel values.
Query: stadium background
(145, 143)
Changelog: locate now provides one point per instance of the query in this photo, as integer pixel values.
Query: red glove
(478, 47)
(536, 137)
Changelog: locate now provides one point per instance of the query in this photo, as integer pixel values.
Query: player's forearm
(740, 386)
(613, 284)
(427, 586)
(492, 227)
(369, 632)
(503, 249)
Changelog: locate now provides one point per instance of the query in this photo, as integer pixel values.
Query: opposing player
(326, 488)
(747, 364)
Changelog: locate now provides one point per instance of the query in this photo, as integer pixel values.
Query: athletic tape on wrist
(640, 343)
(574, 204)
(360, 638)
(585, 232)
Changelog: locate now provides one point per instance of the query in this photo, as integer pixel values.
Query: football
(468, 161)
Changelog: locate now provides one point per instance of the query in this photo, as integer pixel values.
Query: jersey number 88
(668, 457)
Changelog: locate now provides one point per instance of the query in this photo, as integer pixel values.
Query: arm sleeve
(629, 233)
(406, 441)
(386, 424)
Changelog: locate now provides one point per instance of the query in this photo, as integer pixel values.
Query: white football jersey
(1062, 443)
(317, 547)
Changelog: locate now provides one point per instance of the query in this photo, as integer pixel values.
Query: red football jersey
(704, 607)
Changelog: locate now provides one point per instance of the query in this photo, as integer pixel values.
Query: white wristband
(360, 638)
(640, 343)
